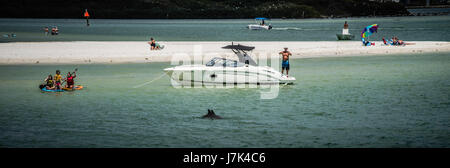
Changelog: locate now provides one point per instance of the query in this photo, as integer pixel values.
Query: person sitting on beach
(58, 80)
(152, 44)
(394, 40)
(49, 83)
(365, 43)
(398, 41)
(285, 64)
(385, 42)
(69, 80)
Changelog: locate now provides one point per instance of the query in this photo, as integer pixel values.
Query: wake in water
(287, 28)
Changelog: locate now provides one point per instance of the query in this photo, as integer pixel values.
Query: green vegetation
(198, 8)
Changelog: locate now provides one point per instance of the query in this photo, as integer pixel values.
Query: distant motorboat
(260, 24)
(345, 34)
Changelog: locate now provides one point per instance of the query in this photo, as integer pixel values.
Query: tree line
(198, 9)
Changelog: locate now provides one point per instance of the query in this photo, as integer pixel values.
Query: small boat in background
(345, 34)
(260, 24)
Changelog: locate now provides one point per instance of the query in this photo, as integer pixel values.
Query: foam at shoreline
(86, 52)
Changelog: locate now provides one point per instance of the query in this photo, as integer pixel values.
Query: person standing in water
(46, 31)
(86, 15)
(56, 30)
(53, 30)
(285, 63)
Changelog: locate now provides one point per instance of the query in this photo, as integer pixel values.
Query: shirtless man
(285, 64)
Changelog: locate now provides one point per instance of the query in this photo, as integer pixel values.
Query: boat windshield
(232, 63)
(224, 62)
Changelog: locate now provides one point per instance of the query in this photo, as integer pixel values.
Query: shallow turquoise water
(424, 28)
(377, 101)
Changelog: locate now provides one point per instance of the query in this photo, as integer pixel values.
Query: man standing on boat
(285, 63)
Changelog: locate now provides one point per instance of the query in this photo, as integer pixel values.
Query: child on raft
(49, 83)
(69, 80)
(58, 80)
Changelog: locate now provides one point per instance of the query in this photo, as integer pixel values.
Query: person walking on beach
(285, 63)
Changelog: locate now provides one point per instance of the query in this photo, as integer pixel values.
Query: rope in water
(146, 83)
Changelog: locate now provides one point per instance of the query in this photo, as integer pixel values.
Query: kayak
(77, 87)
(46, 90)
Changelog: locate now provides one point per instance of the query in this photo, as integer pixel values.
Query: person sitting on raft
(49, 83)
(69, 80)
(58, 80)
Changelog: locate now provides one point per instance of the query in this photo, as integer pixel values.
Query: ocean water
(377, 101)
(423, 28)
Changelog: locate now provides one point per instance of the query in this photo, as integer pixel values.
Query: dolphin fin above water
(211, 115)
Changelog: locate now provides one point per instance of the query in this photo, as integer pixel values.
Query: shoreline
(112, 52)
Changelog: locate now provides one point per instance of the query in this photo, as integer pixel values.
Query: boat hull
(259, 27)
(227, 76)
(345, 36)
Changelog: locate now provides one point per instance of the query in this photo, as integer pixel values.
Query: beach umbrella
(369, 30)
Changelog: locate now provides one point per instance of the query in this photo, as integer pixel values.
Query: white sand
(124, 51)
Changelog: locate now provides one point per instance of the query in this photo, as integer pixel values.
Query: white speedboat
(260, 25)
(226, 71)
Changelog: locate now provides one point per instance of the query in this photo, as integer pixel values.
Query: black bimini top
(239, 47)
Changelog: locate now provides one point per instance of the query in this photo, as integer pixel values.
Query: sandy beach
(86, 52)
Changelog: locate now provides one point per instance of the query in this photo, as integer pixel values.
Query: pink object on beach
(372, 43)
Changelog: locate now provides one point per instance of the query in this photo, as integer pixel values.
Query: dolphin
(211, 115)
